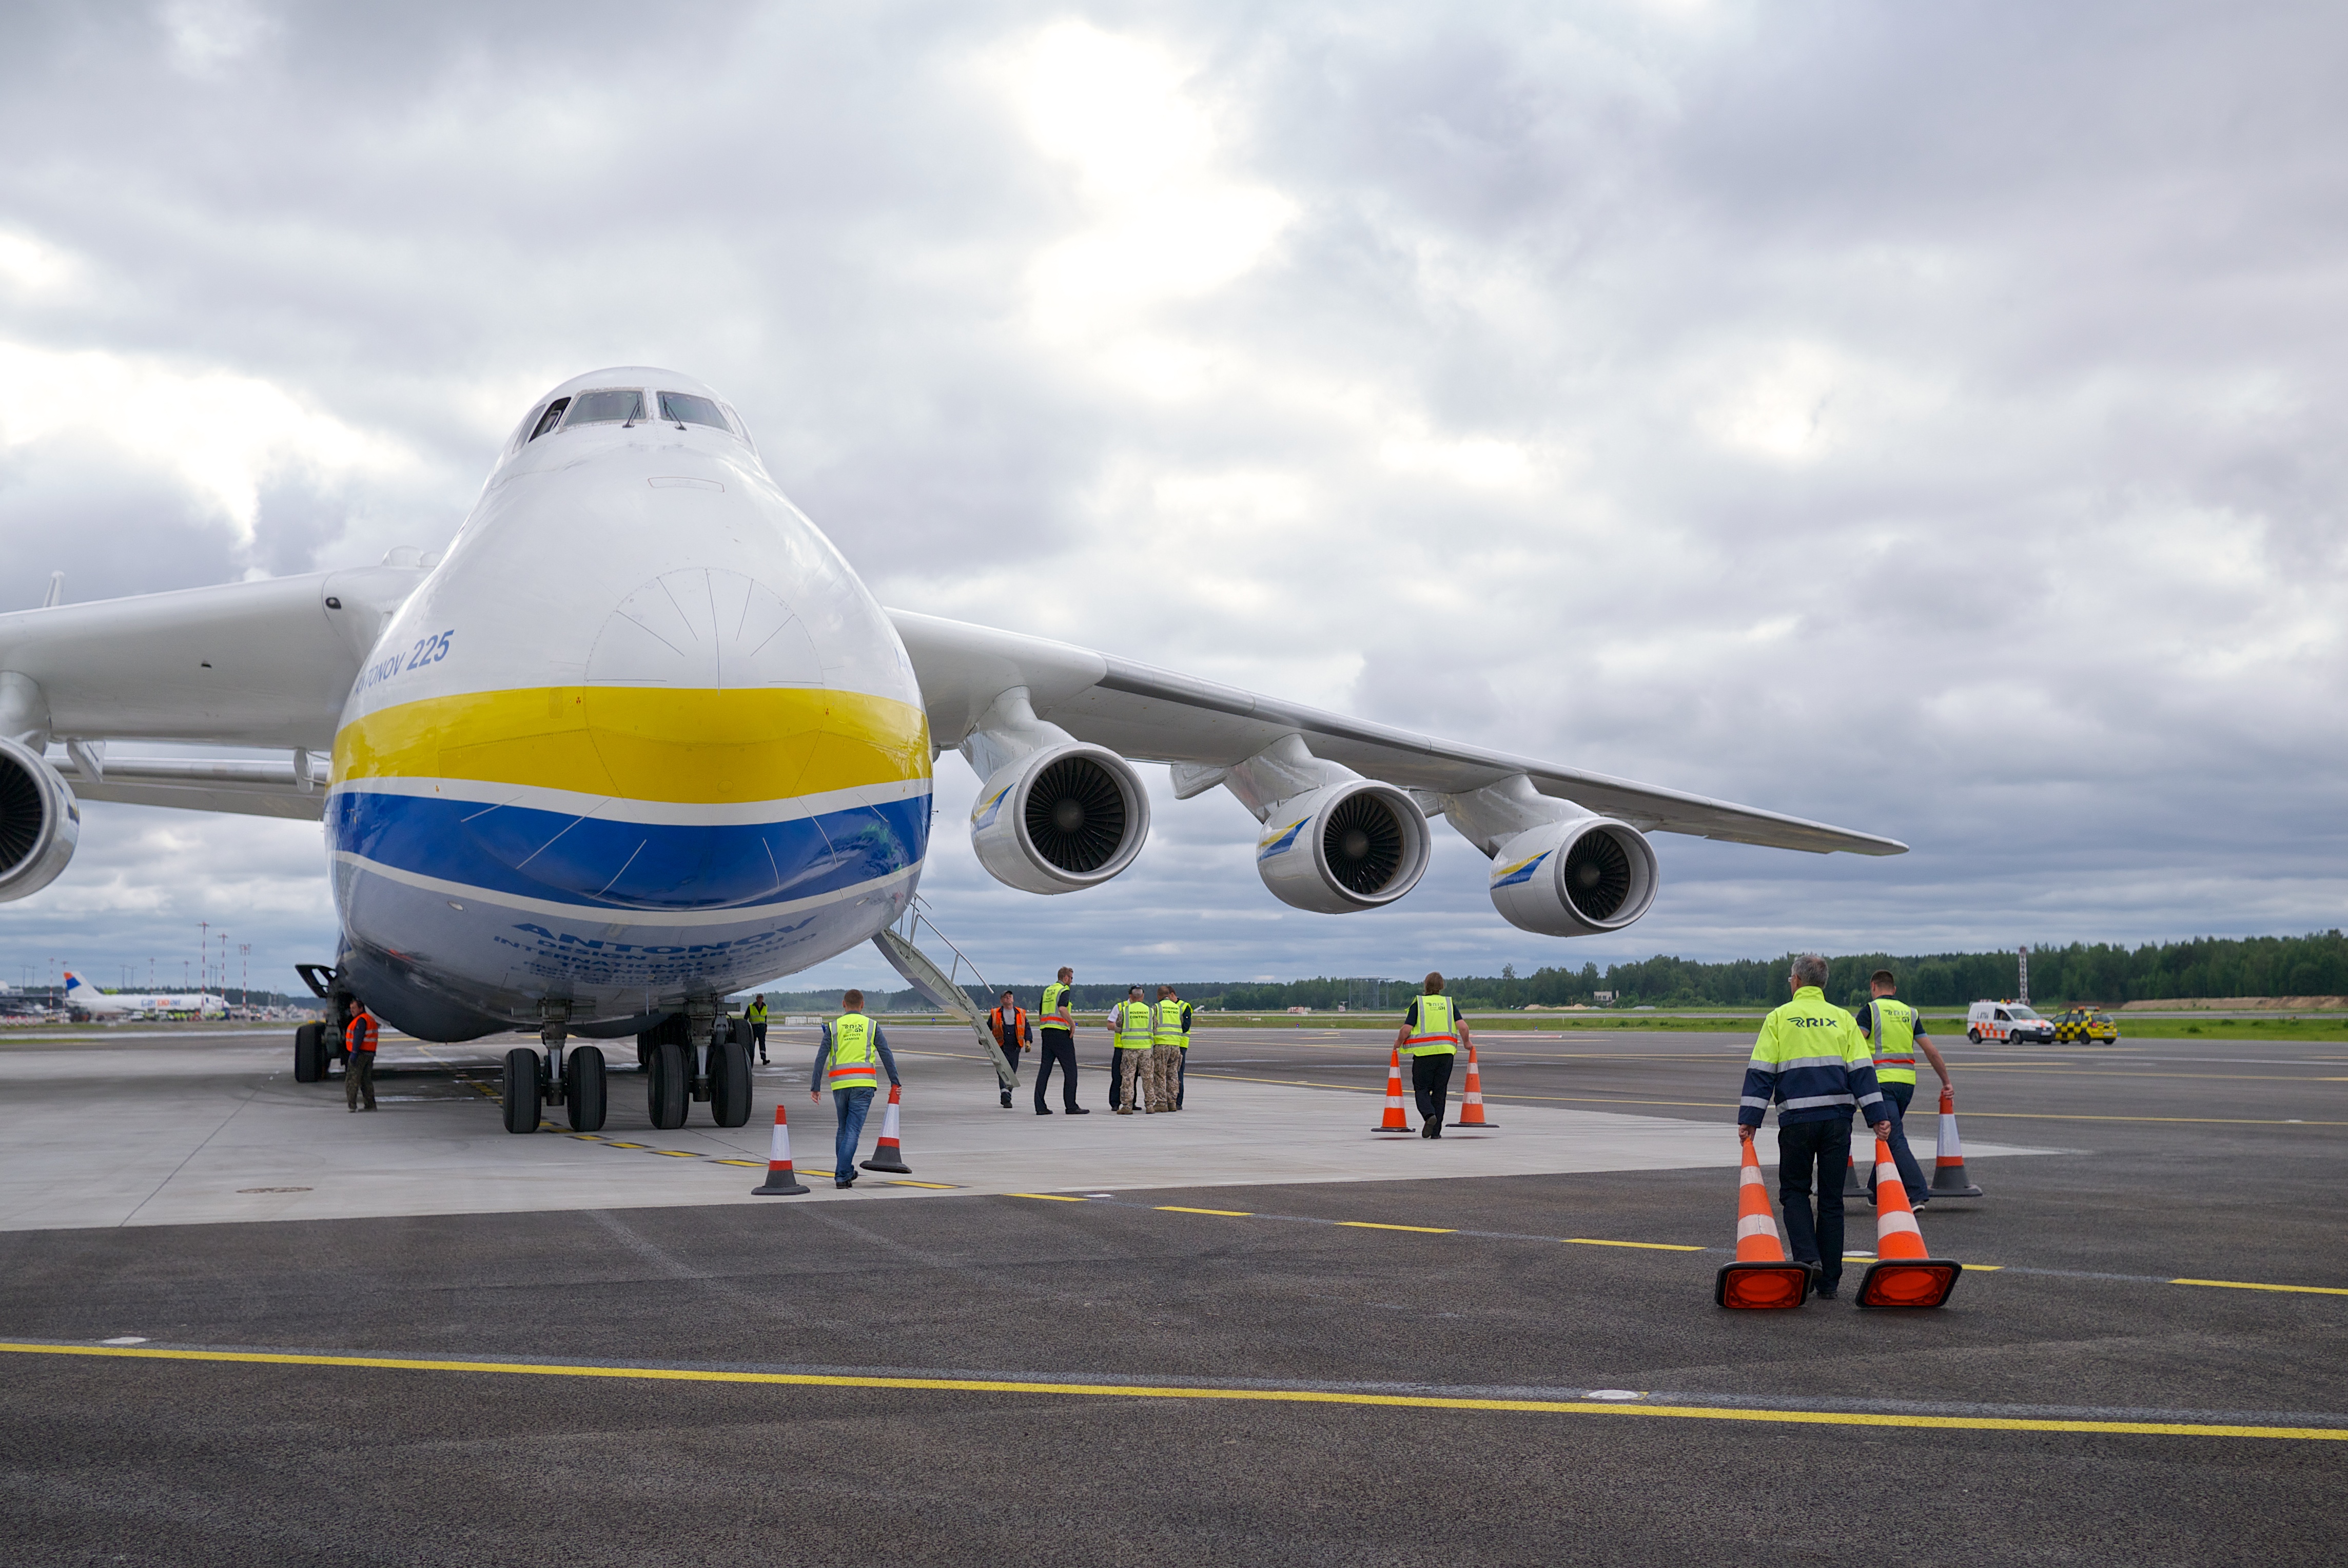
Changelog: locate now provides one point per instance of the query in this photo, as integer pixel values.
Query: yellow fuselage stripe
(1149, 1392)
(690, 746)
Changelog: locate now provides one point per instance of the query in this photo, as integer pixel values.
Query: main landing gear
(316, 1047)
(573, 1078)
(696, 1054)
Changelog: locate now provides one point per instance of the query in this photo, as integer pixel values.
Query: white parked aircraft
(81, 997)
(642, 738)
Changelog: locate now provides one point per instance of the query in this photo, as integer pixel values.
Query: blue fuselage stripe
(614, 863)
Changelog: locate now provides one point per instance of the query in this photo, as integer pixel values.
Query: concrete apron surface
(217, 1131)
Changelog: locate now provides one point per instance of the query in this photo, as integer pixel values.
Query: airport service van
(2007, 1021)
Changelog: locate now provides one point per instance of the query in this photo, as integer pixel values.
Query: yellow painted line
(1149, 1392)
(1372, 1225)
(754, 1164)
(1227, 1214)
(2244, 1284)
(677, 1153)
(1046, 1197)
(938, 1186)
(1650, 1246)
(615, 1143)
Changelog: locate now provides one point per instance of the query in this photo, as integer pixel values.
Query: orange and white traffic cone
(1949, 1178)
(886, 1153)
(1394, 1121)
(780, 1183)
(1903, 1273)
(1471, 1104)
(1761, 1277)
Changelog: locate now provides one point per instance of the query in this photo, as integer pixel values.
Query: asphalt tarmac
(1433, 1370)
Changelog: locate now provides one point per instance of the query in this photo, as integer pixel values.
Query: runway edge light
(1761, 1279)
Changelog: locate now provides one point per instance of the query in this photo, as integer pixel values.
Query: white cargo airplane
(81, 997)
(642, 739)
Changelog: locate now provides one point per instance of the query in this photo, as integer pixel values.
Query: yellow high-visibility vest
(1133, 1025)
(1166, 1025)
(1894, 1041)
(1438, 1032)
(1053, 1012)
(854, 1063)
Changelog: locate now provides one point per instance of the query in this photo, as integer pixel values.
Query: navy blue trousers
(1811, 1158)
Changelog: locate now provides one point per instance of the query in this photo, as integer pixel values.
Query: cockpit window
(685, 409)
(551, 417)
(609, 408)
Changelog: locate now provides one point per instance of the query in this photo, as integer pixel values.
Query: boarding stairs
(942, 987)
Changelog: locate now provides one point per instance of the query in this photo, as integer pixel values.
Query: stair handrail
(910, 927)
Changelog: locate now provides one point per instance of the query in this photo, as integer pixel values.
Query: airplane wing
(1154, 715)
(265, 664)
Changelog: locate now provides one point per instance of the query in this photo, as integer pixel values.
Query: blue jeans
(1896, 1097)
(1819, 1147)
(853, 1105)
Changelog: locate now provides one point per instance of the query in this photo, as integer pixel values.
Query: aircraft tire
(668, 1090)
(524, 1088)
(309, 1053)
(584, 1095)
(729, 1084)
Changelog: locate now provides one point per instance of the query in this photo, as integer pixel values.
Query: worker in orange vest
(358, 1071)
(1013, 1033)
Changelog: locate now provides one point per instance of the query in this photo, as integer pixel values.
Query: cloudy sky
(1921, 418)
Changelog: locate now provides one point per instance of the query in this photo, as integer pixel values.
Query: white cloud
(221, 434)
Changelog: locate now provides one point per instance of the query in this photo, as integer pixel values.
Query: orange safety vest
(360, 1036)
(1018, 1027)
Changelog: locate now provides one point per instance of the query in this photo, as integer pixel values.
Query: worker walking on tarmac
(1012, 1032)
(1057, 1044)
(756, 1015)
(1129, 1026)
(1809, 1059)
(1430, 1036)
(1182, 1062)
(852, 1043)
(1166, 1040)
(1896, 1030)
(359, 1071)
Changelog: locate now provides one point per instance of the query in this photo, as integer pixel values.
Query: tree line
(2313, 965)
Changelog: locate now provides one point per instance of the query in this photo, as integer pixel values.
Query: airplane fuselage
(641, 737)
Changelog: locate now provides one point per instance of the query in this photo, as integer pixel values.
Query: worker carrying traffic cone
(1761, 1278)
(1949, 1178)
(781, 1182)
(1896, 1032)
(1431, 1035)
(1809, 1060)
(1903, 1273)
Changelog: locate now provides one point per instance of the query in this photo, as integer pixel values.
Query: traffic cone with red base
(1761, 1278)
(1949, 1178)
(1394, 1121)
(780, 1183)
(1902, 1274)
(1471, 1104)
(886, 1153)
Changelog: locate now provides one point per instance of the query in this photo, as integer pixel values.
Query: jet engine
(1060, 817)
(1350, 845)
(1575, 877)
(40, 822)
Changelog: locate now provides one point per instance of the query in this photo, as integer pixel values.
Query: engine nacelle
(1062, 818)
(40, 822)
(1342, 847)
(1574, 878)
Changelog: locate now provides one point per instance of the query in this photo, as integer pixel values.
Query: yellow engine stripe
(691, 746)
